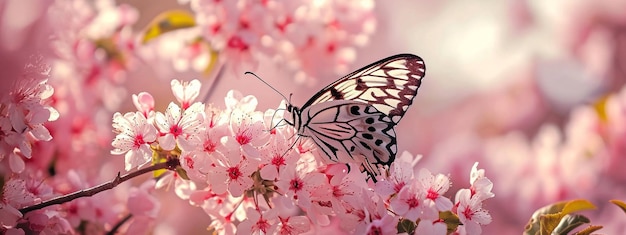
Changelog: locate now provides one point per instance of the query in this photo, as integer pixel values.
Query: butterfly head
(295, 115)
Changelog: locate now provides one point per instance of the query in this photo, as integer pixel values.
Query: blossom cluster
(23, 113)
(244, 173)
(307, 37)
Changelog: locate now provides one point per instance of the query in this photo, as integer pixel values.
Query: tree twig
(119, 224)
(170, 164)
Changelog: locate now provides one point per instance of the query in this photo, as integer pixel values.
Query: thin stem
(170, 164)
(119, 224)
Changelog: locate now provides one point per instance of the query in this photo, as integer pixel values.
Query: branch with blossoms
(250, 180)
(228, 156)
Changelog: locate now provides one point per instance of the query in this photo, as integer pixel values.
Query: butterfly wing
(389, 85)
(351, 131)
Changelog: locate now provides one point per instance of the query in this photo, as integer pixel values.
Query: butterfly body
(353, 118)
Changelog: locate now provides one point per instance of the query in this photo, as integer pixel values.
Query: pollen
(278, 161)
(432, 194)
(413, 202)
(138, 141)
(295, 185)
(234, 173)
(176, 130)
(243, 137)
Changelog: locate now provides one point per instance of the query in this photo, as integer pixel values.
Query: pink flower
(247, 133)
(177, 125)
(134, 137)
(275, 157)
(287, 222)
(481, 185)
(232, 175)
(470, 212)
(144, 102)
(400, 174)
(235, 100)
(387, 225)
(186, 92)
(346, 188)
(435, 187)
(256, 223)
(410, 203)
(23, 113)
(143, 206)
(299, 182)
(431, 227)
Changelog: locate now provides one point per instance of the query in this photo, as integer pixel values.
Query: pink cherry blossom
(470, 212)
(431, 227)
(257, 223)
(246, 133)
(275, 157)
(436, 186)
(178, 125)
(186, 92)
(401, 173)
(385, 225)
(143, 206)
(134, 138)
(481, 185)
(235, 100)
(288, 222)
(144, 102)
(410, 203)
(232, 175)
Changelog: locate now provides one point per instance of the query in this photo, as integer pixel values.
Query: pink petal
(167, 142)
(40, 132)
(16, 163)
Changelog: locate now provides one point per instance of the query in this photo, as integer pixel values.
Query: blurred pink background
(513, 84)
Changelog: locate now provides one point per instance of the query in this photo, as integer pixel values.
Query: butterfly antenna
(281, 94)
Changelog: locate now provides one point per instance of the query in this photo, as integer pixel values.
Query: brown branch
(119, 224)
(170, 164)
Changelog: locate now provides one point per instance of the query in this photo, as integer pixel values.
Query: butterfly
(353, 118)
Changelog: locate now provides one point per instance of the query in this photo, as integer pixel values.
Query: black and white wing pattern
(353, 119)
(389, 85)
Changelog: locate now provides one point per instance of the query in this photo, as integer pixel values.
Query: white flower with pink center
(178, 125)
(400, 174)
(275, 157)
(437, 227)
(186, 92)
(287, 221)
(257, 223)
(470, 212)
(386, 225)
(133, 139)
(235, 100)
(409, 203)
(300, 181)
(23, 113)
(481, 185)
(436, 186)
(247, 133)
(232, 175)
(144, 102)
(345, 187)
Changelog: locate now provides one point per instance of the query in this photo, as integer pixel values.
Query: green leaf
(452, 220)
(182, 173)
(569, 223)
(406, 226)
(547, 218)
